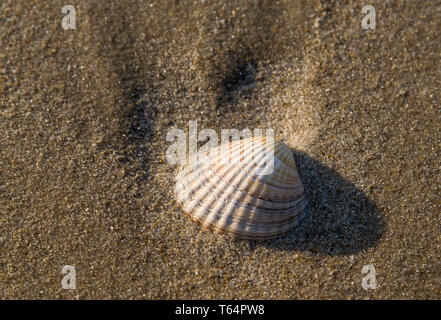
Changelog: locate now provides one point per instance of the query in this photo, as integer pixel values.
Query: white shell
(226, 193)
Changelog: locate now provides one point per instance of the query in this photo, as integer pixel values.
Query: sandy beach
(84, 115)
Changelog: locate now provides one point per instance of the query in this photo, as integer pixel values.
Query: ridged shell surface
(247, 188)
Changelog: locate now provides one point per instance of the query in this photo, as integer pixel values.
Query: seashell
(226, 189)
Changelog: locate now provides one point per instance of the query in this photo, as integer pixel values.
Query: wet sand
(84, 115)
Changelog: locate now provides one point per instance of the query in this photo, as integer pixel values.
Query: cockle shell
(226, 192)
